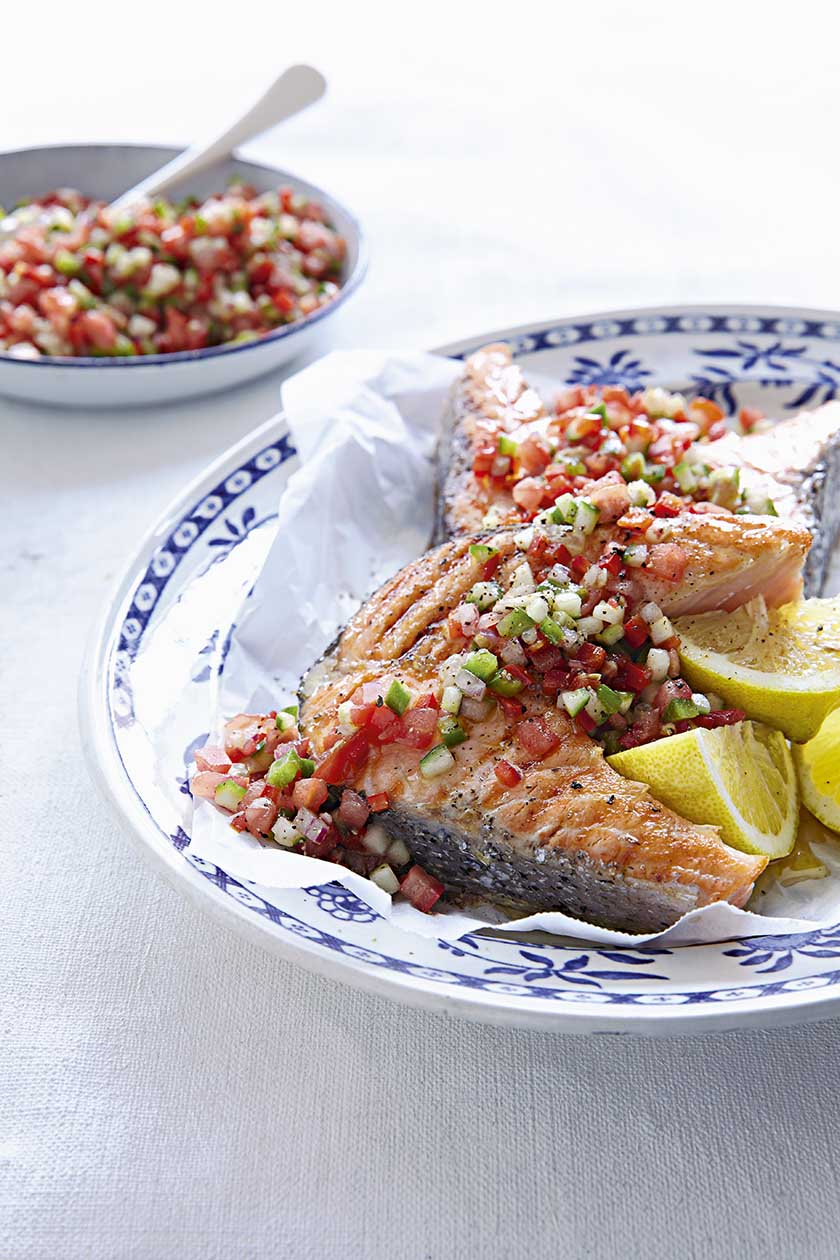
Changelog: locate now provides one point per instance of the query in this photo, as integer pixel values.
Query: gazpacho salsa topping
(621, 450)
(79, 279)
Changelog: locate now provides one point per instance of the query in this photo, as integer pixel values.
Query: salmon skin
(571, 834)
(796, 464)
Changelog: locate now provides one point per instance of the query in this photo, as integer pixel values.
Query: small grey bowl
(104, 171)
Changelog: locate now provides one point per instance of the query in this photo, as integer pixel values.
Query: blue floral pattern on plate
(210, 557)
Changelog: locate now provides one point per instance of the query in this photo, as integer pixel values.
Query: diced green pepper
(653, 474)
(452, 732)
(686, 476)
(504, 684)
(482, 663)
(398, 697)
(482, 553)
(550, 629)
(507, 446)
(611, 700)
(229, 795)
(484, 595)
(514, 623)
(679, 710)
(284, 771)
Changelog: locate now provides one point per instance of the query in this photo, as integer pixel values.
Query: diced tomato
(511, 707)
(384, 726)
(529, 494)
(260, 816)
(547, 657)
(722, 717)
(488, 569)
(421, 888)
(212, 757)
(239, 822)
(585, 723)
(672, 689)
(579, 565)
(360, 714)
(536, 737)
(343, 763)
(667, 561)
(636, 631)
(632, 677)
(378, 802)
(521, 675)
(591, 656)
(668, 505)
(427, 701)
(353, 811)
(309, 794)
(205, 784)
(507, 773)
(611, 562)
(749, 418)
(555, 680)
(419, 728)
(534, 454)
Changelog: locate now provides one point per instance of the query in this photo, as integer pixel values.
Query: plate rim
(126, 806)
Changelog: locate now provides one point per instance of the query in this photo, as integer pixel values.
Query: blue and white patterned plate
(146, 701)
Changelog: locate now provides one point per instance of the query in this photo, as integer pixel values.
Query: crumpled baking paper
(361, 506)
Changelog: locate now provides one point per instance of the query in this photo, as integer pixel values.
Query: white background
(165, 1089)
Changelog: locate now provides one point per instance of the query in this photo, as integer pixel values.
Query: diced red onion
(470, 684)
(310, 826)
(475, 710)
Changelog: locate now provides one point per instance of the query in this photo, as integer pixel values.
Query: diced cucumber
(293, 709)
(484, 595)
(725, 487)
(285, 770)
(551, 630)
(587, 517)
(703, 703)
(284, 833)
(504, 683)
(575, 701)
(565, 510)
(398, 853)
(641, 494)
(482, 553)
(686, 476)
(507, 446)
(660, 631)
(514, 623)
(537, 608)
(482, 663)
(610, 635)
(573, 466)
(285, 721)
(451, 730)
(385, 879)
(398, 697)
(653, 474)
(633, 466)
(610, 700)
(451, 699)
(229, 795)
(635, 555)
(436, 762)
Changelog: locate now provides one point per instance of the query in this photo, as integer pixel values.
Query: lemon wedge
(740, 778)
(780, 665)
(818, 766)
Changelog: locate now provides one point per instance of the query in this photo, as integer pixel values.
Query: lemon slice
(740, 778)
(781, 666)
(818, 766)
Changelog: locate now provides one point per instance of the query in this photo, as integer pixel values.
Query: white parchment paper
(361, 506)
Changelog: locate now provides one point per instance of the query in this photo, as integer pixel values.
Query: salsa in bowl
(217, 284)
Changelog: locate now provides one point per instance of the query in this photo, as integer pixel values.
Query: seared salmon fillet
(797, 465)
(528, 813)
(793, 469)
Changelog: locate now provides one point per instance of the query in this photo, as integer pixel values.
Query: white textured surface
(165, 1089)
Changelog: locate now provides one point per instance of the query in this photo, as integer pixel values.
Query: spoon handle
(295, 89)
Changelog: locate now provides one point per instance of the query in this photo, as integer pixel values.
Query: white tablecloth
(168, 1090)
